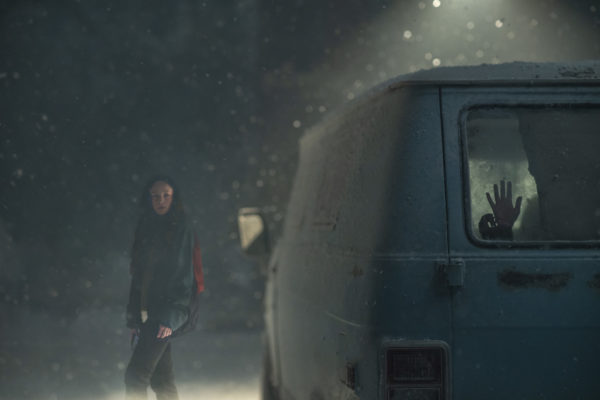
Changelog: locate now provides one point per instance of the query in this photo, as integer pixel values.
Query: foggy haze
(96, 97)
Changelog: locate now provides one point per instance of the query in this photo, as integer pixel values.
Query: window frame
(466, 189)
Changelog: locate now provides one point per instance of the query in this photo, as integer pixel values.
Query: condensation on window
(550, 157)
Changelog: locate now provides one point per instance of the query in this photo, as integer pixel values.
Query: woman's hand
(505, 213)
(134, 337)
(163, 332)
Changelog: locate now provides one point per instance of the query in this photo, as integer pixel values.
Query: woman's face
(161, 194)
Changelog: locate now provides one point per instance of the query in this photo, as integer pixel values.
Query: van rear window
(533, 173)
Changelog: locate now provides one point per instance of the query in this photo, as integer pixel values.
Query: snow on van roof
(515, 72)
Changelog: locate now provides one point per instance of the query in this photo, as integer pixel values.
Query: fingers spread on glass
(505, 214)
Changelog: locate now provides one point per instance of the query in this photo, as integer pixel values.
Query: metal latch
(455, 273)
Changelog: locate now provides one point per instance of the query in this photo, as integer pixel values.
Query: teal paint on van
(380, 289)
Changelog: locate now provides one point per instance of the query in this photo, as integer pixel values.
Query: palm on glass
(505, 214)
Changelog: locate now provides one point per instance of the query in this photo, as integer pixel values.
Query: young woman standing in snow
(162, 283)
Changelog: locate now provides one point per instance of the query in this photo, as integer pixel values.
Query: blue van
(389, 281)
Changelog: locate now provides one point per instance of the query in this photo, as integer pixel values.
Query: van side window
(551, 158)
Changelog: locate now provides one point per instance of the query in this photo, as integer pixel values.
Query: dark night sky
(97, 96)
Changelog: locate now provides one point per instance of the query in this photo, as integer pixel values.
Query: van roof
(514, 73)
(508, 74)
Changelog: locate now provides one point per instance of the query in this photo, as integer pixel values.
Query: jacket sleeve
(174, 311)
(133, 314)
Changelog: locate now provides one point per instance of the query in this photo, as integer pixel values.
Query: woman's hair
(176, 208)
(149, 220)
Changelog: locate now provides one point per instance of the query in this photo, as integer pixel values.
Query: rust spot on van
(594, 283)
(521, 280)
(577, 72)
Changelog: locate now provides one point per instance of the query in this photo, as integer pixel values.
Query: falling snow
(95, 99)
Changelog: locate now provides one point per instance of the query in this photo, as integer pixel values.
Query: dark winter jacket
(162, 267)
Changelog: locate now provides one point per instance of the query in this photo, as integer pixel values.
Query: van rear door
(526, 320)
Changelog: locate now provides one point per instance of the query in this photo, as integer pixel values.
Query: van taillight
(416, 373)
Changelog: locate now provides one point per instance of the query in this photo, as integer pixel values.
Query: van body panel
(526, 364)
(361, 176)
(380, 256)
(526, 322)
(367, 207)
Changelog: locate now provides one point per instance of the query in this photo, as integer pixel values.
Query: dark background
(97, 96)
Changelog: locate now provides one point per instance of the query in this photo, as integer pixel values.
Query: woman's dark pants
(151, 364)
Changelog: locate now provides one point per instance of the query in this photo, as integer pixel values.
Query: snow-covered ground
(48, 359)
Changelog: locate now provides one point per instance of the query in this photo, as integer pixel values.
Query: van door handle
(455, 273)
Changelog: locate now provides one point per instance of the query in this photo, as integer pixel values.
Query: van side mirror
(252, 228)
